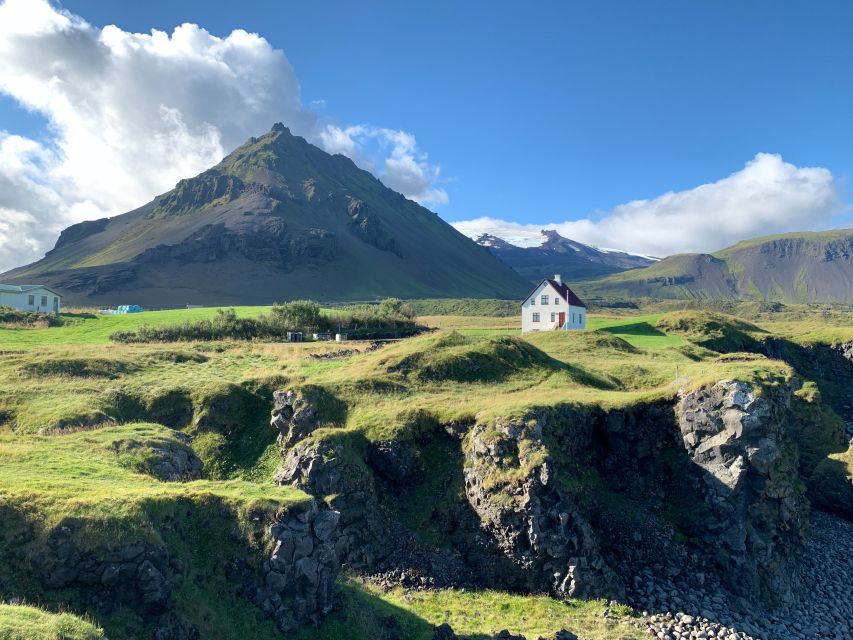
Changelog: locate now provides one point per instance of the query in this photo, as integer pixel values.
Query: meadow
(70, 400)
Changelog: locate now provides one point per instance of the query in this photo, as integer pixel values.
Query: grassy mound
(458, 358)
(74, 367)
(710, 330)
(18, 622)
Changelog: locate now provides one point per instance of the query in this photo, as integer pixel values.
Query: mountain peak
(277, 218)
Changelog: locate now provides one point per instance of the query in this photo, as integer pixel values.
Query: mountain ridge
(277, 218)
(808, 266)
(557, 254)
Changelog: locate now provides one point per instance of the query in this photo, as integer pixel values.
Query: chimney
(557, 278)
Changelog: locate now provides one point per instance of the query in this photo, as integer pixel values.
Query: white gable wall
(538, 316)
(34, 300)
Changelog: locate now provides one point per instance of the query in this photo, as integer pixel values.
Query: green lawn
(96, 329)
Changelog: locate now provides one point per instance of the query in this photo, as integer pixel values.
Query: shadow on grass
(636, 329)
(365, 616)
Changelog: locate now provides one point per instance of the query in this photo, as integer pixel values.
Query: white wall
(21, 301)
(556, 304)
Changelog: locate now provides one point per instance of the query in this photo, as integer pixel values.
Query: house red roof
(565, 293)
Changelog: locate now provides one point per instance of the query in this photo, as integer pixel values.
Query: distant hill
(793, 267)
(556, 254)
(277, 219)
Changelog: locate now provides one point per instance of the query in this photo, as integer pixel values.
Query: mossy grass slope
(20, 622)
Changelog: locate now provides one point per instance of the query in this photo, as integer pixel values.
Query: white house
(30, 297)
(552, 305)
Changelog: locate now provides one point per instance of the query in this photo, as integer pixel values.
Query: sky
(655, 127)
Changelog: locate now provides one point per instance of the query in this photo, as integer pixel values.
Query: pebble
(678, 608)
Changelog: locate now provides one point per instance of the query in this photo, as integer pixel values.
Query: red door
(562, 318)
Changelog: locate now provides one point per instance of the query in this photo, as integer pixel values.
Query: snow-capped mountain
(538, 254)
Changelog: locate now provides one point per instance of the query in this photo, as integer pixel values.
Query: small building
(30, 297)
(552, 306)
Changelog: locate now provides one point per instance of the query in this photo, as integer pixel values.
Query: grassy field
(92, 328)
(78, 416)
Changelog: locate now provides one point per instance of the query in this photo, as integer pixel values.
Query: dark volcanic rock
(758, 513)
(294, 416)
(535, 525)
(299, 587)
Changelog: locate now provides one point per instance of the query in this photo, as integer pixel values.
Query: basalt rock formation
(742, 444)
(536, 511)
(539, 528)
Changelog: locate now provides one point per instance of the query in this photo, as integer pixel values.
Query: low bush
(10, 316)
(390, 318)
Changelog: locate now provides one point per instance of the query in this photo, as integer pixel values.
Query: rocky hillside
(277, 219)
(796, 267)
(556, 254)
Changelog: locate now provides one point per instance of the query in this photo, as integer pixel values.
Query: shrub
(390, 318)
(8, 315)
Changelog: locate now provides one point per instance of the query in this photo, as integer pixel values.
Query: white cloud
(402, 166)
(130, 114)
(767, 196)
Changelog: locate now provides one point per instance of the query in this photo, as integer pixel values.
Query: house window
(32, 301)
(544, 299)
(533, 301)
(535, 317)
(44, 301)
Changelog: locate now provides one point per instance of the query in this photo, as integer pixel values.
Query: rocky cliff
(578, 501)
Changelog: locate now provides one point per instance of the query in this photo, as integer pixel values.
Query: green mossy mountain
(277, 219)
(793, 267)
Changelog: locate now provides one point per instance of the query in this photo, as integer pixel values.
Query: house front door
(562, 318)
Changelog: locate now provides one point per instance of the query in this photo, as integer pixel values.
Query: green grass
(18, 622)
(90, 328)
(474, 614)
(80, 475)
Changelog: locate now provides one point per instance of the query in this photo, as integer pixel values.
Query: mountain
(793, 267)
(277, 219)
(556, 254)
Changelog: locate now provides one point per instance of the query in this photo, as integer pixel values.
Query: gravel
(676, 606)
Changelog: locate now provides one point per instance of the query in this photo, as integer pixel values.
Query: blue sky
(558, 111)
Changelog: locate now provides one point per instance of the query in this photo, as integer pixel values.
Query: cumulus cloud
(767, 196)
(402, 165)
(130, 114)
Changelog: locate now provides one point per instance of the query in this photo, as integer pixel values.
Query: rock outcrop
(295, 585)
(512, 487)
(298, 585)
(319, 469)
(739, 441)
(294, 416)
(134, 573)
